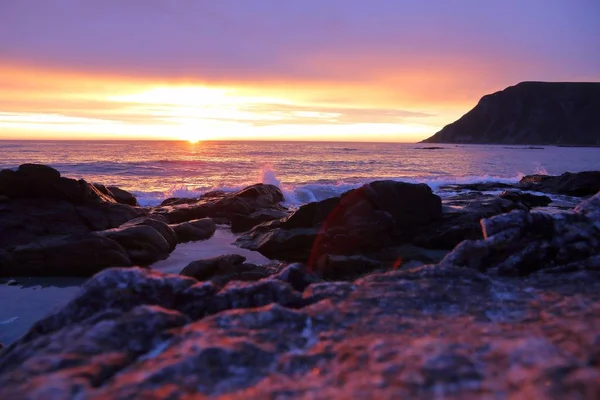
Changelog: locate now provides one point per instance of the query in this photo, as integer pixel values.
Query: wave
(297, 194)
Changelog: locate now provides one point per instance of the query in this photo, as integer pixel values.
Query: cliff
(557, 113)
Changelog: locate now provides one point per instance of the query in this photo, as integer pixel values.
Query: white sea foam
(298, 194)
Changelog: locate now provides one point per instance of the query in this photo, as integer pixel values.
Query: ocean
(305, 171)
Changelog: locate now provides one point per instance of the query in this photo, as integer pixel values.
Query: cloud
(311, 40)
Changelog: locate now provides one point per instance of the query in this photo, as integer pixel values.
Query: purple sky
(297, 40)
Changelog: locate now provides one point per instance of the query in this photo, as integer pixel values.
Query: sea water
(305, 171)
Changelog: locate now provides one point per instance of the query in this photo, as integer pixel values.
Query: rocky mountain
(544, 113)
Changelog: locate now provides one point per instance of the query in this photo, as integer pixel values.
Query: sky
(368, 70)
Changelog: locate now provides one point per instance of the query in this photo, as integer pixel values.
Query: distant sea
(305, 171)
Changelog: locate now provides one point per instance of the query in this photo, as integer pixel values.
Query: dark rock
(117, 194)
(12, 282)
(371, 217)
(462, 220)
(243, 223)
(71, 255)
(174, 201)
(46, 221)
(530, 113)
(199, 229)
(278, 243)
(43, 182)
(311, 214)
(143, 243)
(245, 202)
(340, 267)
(477, 186)
(571, 184)
(205, 269)
(527, 199)
(160, 226)
(425, 333)
(297, 275)
(520, 243)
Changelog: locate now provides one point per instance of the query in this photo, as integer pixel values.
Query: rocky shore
(388, 291)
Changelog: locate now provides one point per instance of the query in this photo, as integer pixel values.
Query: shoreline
(33, 298)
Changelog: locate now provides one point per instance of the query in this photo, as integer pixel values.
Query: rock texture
(432, 332)
(259, 197)
(584, 183)
(542, 113)
(520, 242)
(513, 315)
(378, 214)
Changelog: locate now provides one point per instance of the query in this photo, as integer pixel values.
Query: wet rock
(527, 199)
(45, 211)
(227, 268)
(160, 226)
(205, 269)
(461, 220)
(477, 186)
(572, 184)
(199, 229)
(143, 243)
(174, 201)
(280, 244)
(117, 194)
(43, 182)
(374, 216)
(71, 255)
(245, 202)
(520, 242)
(243, 223)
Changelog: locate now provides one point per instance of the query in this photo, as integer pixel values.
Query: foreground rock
(431, 332)
(377, 215)
(531, 113)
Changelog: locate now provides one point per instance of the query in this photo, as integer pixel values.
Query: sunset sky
(272, 69)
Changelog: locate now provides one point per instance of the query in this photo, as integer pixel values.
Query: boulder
(199, 229)
(244, 202)
(117, 194)
(243, 223)
(29, 219)
(224, 269)
(461, 220)
(70, 255)
(521, 243)
(376, 215)
(579, 184)
(205, 269)
(143, 243)
(159, 225)
(527, 199)
(43, 182)
(297, 276)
